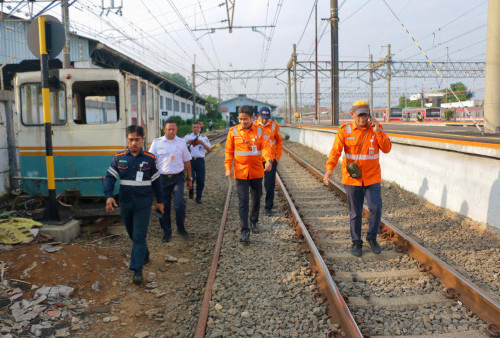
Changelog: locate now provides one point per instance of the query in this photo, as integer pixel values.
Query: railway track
(388, 294)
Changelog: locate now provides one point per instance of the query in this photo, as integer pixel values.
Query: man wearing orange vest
(361, 141)
(272, 131)
(247, 146)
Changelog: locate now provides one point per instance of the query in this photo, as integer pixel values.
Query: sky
(165, 35)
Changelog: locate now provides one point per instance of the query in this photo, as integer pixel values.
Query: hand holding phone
(158, 214)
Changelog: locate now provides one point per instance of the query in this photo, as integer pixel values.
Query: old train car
(90, 110)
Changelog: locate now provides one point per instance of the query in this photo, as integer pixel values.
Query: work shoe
(137, 279)
(254, 227)
(166, 238)
(356, 249)
(184, 234)
(376, 249)
(147, 260)
(191, 194)
(269, 212)
(245, 237)
(198, 200)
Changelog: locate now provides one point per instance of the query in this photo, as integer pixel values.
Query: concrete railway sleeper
(395, 293)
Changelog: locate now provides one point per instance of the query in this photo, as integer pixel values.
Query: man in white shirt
(198, 145)
(172, 158)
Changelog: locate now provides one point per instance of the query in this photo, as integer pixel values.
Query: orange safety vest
(240, 145)
(349, 138)
(272, 131)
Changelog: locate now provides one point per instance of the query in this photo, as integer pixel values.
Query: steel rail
(207, 296)
(457, 286)
(325, 281)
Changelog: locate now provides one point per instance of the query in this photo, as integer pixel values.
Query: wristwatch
(189, 179)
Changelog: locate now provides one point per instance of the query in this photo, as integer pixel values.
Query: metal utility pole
(289, 85)
(65, 22)
(492, 82)
(371, 83)
(316, 63)
(294, 78)
(334, 29)
(218, 89)
(193, 87)
(388, 76)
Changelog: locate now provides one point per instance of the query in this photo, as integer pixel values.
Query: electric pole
(492, 82)
(388, 76)
(193, 87)
(316, 63)
(334, 28)
(65, 22)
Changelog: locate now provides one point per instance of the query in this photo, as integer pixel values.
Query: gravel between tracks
(261, 289)
(470, 248)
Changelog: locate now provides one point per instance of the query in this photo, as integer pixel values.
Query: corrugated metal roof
(13, 42)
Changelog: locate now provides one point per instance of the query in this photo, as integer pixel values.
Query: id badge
(172, 158)
(139, 176)
(254, 149)
(371, 151)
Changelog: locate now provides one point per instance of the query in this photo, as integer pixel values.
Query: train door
(133, 103)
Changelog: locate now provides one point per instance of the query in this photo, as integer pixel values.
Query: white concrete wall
(461, 178)
(4, 156)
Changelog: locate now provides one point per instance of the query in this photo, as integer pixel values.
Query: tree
(409, 103)
(212, 107)
(460, 91)
(177, 78)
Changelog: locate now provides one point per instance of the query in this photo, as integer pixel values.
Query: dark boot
(254, 227)
(245, 237)
(356, 249)
(138, 279)
(376, 249)
(191, 193)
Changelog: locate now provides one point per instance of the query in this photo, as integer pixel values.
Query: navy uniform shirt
(138, 178)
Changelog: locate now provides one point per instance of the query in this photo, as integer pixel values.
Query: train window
(176, 106)
(396, 112)
(169, 104)
(161, 102)
(134, 99)
(32, 108)
(188, 108)
(183, 107)
(433, 112)
(95, 102)
(156, 108)
(143, 100)
(150, 102)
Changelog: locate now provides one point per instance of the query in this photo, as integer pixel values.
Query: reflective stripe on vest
(247, 153)
(135, 183)
(274, 127)
(259, 131)
(235, 133)
(361, 157)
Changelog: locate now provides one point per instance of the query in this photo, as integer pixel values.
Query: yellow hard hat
(361, 106)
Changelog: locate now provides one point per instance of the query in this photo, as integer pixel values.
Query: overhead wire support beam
(356, 69)
(230, 14)
(234, 27)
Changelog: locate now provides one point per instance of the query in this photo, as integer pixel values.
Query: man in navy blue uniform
(138, 178)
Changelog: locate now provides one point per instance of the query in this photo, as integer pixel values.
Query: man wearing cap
(272, 133)
(361, 141)
(246, 147)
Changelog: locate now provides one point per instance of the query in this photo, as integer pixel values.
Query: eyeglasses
(362, 115)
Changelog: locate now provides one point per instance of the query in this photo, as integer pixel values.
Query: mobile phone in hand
(158, 214)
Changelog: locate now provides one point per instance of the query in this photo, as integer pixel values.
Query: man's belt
(172, 175)
(197, 158)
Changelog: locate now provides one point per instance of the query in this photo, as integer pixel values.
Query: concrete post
(193, 85)
(492, 82)
(371, 83)
(295, 78)
(388, 111)
(65, 21)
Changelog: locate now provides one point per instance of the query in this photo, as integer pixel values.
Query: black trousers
(198, 173)
(269, 184)
(249, 191)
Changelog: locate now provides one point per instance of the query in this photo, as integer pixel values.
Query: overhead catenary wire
(432, 65)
